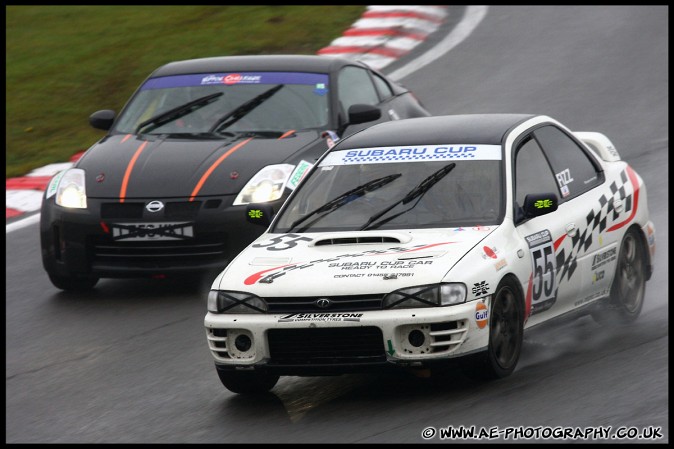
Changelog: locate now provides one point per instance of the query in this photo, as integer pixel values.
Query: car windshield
(428, 186)
(219, 104)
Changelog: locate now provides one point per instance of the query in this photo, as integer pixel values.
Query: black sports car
(165, 191)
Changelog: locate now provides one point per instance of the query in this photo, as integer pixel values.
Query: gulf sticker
(481, 315)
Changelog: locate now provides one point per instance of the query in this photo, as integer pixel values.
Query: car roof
(488, 129)
(255, 63)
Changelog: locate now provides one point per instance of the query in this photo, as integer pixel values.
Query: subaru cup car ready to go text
(165, 190)
(416, 242)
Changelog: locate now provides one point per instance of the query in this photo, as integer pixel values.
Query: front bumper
(79, 242)
(328, 343)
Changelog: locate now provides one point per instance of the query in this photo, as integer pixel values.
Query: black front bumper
(80, 242)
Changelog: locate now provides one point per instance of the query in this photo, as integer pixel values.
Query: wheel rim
(630, 274)
(504, 328)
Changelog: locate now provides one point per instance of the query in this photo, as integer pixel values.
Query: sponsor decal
(490, 252)
(598, 276)
(255, 213)
(100, 177)
(317, 80)
(331, 138)
(385, 265)
(324, 317)
(298, 174)
(320, 89)
(413, 154)
(481, 315)
(500, 264)
(480, 288)
(592, 297)
(564, 177)
(543, 204)
(565, 191)
(268, 276)
(601, 259)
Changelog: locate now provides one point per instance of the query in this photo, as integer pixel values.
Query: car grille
(161, 254)
(327, 346)
(336, 304)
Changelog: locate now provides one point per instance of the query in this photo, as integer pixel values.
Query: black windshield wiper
(347, 197)
(236, 114)
(177, 112)
(416, 192)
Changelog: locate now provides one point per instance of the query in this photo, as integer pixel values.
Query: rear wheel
(72, 283)
(506, 332)
(629, 284)
(247, 382)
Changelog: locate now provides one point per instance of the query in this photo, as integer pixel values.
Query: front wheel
(247, 382)
(629, 284)
(506, 333)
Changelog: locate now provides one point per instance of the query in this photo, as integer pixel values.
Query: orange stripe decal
(286, 134)
(215, 165)
(125, 181)
(127, 137)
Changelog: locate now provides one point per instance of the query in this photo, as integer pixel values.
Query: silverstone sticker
(422, 153)
(544, 266)
(324, 317)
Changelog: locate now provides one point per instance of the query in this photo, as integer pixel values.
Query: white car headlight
(71, 191)
(221, 301)
(434, 295)
(266, 185)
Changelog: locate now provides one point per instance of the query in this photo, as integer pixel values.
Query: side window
(574, 171)
(532, 172)
(383, 87)
(355, 87)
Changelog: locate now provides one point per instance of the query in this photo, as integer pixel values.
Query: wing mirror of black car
(259, 214)
(363, 113)
(539, 204)
(102, 119)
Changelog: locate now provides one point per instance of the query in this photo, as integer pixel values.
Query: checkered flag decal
(600, 218)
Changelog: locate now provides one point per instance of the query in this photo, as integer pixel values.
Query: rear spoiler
(600, 144)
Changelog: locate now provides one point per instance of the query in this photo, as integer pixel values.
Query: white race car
(419, 241)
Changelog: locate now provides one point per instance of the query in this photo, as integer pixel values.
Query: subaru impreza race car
(417, 242)
(165, 190)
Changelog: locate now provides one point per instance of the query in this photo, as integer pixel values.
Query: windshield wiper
(236, 114)
(346, 197)
(416, 192)
(177, 112)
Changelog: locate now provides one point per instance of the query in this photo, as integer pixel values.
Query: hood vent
(357, 240)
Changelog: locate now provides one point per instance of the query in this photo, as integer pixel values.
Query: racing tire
(247, 382)
(628, 289)
(506, 334)
(71, 283)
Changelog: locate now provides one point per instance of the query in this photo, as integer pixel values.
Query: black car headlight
(267, 185)
(433, 295)
(70, 189)
(222, 301)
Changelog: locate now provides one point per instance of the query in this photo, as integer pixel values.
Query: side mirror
(362, 113)
(539, 204)
(259, 214)
(102, 119)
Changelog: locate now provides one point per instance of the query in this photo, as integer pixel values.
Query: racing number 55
(544, 272)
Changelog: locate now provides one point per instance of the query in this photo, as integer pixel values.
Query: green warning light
(255, 213)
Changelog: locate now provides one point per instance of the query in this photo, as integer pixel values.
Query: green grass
(65, 62)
